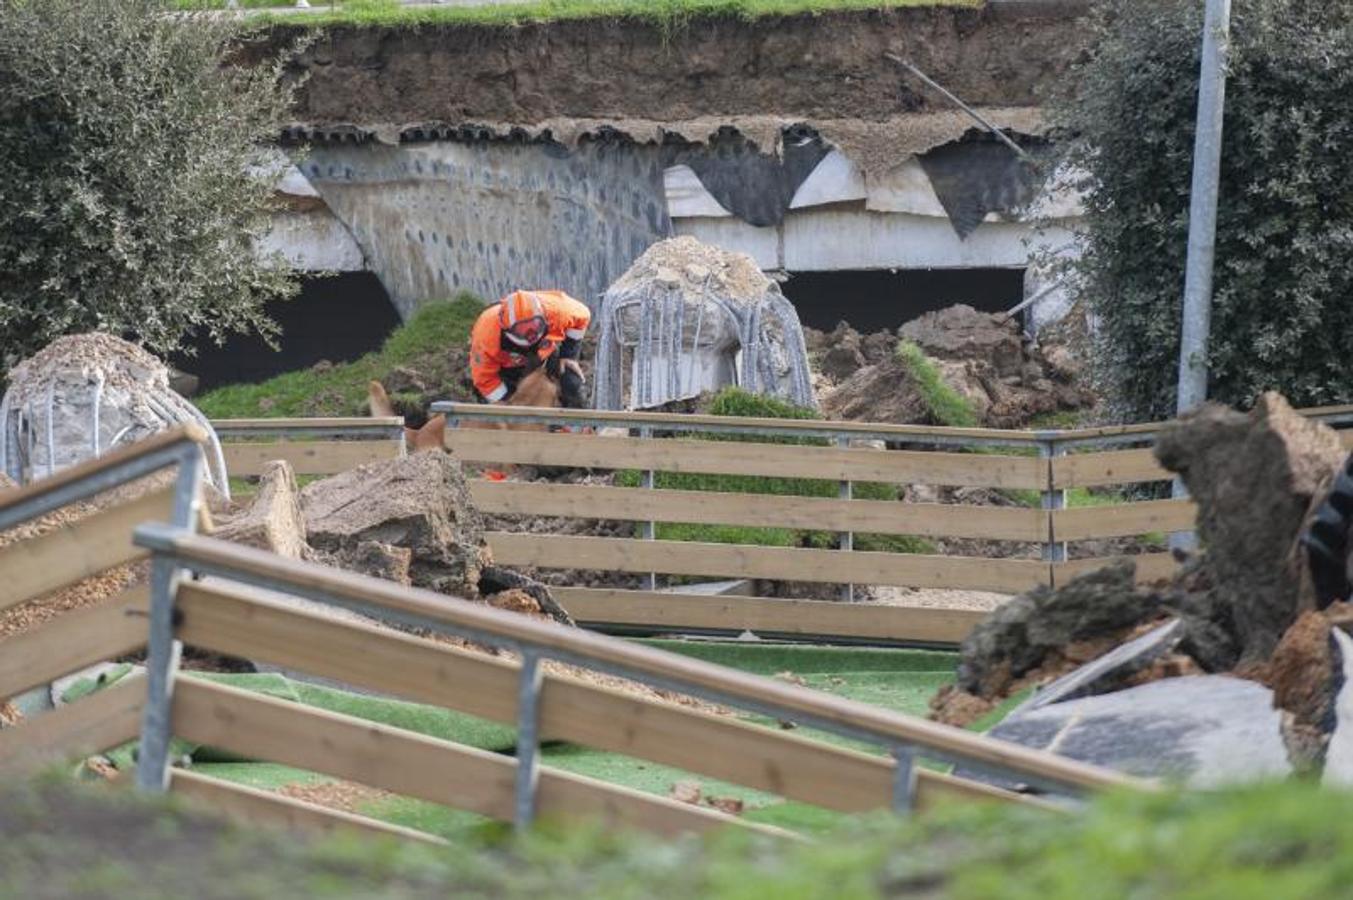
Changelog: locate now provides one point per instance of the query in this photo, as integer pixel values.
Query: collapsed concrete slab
(1206, 730)
(412, 520)
(419, 502)
(1110, 671)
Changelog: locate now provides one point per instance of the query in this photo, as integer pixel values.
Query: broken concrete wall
(492, 217)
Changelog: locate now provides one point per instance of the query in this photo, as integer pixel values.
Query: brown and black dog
(536, 389)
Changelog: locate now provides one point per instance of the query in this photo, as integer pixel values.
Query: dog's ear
(431, 436)
(378, 401)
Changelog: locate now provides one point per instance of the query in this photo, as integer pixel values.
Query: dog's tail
(378, 401)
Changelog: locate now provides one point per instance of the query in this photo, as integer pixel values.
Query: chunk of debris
(272, 520)
(694, 318)
(686, 792)
(412, 519)
(1255, 479)
(81, 396)
(419, 502)
(1207, 730)
(1023, 632)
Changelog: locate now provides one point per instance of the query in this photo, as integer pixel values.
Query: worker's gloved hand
(571, 383)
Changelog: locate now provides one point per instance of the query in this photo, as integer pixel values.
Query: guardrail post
(650, 529)
(1049, 448)
(528, 740)
(904, 780)
(163, 651)
(845, 540)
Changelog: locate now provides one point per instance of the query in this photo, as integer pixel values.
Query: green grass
(341, 389)
(900, 680)
(947, 406)
(669, 15)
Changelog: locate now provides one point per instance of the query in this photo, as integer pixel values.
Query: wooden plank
(1151, 567)
(212, 555)
(319, 423)
(101, 721)
(251, 806)
(74, 641)
(714, 508)
(1108, 468)
(762, 615)
(412, 764)
(103, 463)
(1123, 519)
(1009, 576)
(624, 418)
(236, 620)
(37, 566)
(306, 457)
(738, 458)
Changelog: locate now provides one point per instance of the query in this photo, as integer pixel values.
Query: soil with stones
(1005, 380)
(828, 66)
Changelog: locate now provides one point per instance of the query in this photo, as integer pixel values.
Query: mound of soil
(982, 356)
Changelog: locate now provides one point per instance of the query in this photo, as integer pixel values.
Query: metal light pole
(1203, 207)
(1203, 222)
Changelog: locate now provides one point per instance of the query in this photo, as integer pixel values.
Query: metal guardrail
(181, 447)
(177, 551)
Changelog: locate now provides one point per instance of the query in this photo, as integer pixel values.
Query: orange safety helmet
(521, 316)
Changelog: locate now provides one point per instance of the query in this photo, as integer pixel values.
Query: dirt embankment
(827, 66)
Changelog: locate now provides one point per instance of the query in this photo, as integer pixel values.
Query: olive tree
(1283, 306)
(127, 202)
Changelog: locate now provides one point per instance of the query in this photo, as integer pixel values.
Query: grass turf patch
(341, 390)
(947, 406)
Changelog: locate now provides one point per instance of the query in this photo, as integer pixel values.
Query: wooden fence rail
(225, 616)
(1019, 464)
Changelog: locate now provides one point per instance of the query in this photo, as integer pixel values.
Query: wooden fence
(1037, 539)
(230, 617)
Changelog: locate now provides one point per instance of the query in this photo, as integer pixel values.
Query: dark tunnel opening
(877, 299)
(337, 318)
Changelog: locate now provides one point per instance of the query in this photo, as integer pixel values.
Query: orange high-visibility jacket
(490, 353)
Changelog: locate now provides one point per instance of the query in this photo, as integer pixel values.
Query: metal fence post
(904, 780)
(528, 740)
(1049, 448)
(650, 529)
(163, 651)
(845, 540)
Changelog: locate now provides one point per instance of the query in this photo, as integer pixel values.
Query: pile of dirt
(696, 268)
(1007, 381)
(1244, 607)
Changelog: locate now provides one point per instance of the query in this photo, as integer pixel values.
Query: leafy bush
(126, 199)
(1281, 315)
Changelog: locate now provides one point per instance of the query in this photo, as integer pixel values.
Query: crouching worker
(523, 332)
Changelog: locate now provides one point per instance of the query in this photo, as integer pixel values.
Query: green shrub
(127, 203)
(1281, 317)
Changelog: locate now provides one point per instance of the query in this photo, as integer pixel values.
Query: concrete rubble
(85, 394)
(692, 318)
(1227, 671)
